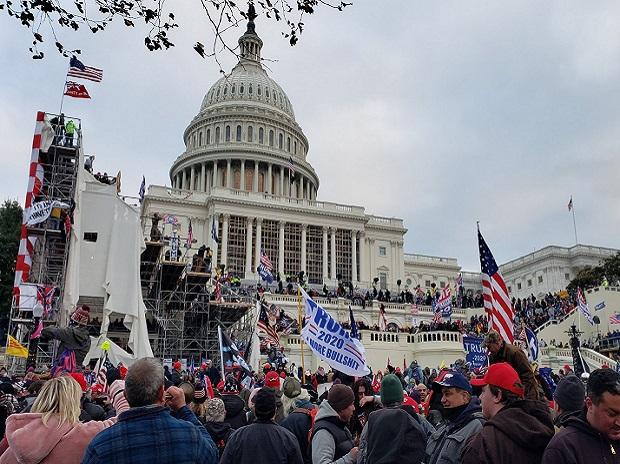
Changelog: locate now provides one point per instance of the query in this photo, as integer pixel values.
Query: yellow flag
(443, 364)
(15, 348)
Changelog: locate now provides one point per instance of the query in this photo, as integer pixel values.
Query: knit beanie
(216, 412)
(79, 378)
(81, 315)
(570, 393)
(391, 390)
(265, 403)
(291, 387)
(340, 397)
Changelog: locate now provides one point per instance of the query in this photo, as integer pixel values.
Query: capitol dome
(245, 136)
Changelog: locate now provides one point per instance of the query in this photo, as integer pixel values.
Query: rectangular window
(442, 284)
(519, 286)
(382, 251)
(343, 254)
(566, 276)
(314, 254)
(292, 249)
(540, 279)
(90, 236)
(529, 282)
(427, 283)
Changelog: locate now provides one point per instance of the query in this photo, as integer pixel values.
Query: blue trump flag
(476, 356)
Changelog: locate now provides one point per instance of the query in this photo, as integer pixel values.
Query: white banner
(41, 210)
(331, 342)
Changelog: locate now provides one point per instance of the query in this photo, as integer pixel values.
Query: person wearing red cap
(517, 430)
(513, 355)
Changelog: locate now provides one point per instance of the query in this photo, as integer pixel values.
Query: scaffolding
(50, 251)
(183, 304)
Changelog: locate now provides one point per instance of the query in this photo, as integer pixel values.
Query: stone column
(242, 176)
(333, 243)
(214, 184)
(281, 180)
(353, 256)
(304, 230)
(371, 252)
(255, 180)
(183, 180)
(248, 247)
(325, 257)
(362, 275)
(269, 179)
(228, 176)
(224, 238)
(203, 177)
(192, 177)
(302, 187)
(258, 244)
(393, 264)
(281, 249)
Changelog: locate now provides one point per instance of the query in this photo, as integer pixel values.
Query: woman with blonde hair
(52, 432)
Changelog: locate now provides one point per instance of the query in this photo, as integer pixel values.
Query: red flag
(76, 90)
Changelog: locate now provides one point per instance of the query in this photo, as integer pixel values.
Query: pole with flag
(571, 207)
(300, 320)
(497, 303)
(142, 189)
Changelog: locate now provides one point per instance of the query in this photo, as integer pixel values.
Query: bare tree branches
(50, 17)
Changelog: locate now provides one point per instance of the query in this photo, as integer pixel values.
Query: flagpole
(299, 317)
(219, 334)
(64, 88)
(574, 223)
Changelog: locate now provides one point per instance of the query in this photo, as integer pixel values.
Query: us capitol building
(245, 174)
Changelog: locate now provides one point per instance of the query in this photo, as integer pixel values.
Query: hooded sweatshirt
(518, 433)
(579, 443)
(324, 445)
(235, 411)
(31, 442)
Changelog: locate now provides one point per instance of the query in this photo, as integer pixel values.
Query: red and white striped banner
(35, 182)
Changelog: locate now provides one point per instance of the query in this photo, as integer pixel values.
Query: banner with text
(331, 342)
(476, 355)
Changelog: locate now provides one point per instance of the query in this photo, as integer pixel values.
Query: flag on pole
(77, 69)
(614, 318)
(265, 268)
(291, 166)
(583, 306)
(230, 353)
(75, 90)
(495, 294)
(142, 189)
(190, 235)
(354, 332)
(265, 331)
(570, 203)
(14, 348)
(214, 232)
(532, 344)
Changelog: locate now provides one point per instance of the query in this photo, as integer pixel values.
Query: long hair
(59, 397)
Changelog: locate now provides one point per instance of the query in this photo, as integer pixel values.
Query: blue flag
(354, 332)
(532, 344)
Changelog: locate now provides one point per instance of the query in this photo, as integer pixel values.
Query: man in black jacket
(264, 441)
(594, 435)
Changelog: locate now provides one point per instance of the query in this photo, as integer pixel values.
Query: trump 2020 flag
(331, 342)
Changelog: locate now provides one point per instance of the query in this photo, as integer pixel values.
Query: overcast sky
(440, 113)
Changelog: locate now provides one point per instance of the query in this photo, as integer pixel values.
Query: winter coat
(518, 360)
(298, 422)
(445, 445)
(263, 442)
(235, 411)
(331, 439)
(220, 433)
(31, 442)
(579, 443)
(150, 434)
(391, 434)
(75, 338)
(517, 434)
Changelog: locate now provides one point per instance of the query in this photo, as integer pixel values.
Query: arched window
(295, 147)
(218, 91)
(241, 89)
(288, 144)
(261, 181)
(266, 92)
(271, 138)
(238, 137)
(233, 88)
(237, 179)
(250, 89)
(194, 141)
(217, 135)
(250, 133)
(261, 134)
(200, 139)
(259, 91)
(280, 141)
(225, 90)
(228, 133)
(208, 136)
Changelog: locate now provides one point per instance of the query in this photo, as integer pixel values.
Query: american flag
(77, 69)
(102, 370)
(265, 331)
(583, 306)
(614, 318)
(142, 189)
(291, 166)
(190, 235)
(265, 268)
(495, 294)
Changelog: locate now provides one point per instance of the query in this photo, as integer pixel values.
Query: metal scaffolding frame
(60, 166)
(182, 302)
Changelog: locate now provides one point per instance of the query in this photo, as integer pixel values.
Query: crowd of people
(506, 413)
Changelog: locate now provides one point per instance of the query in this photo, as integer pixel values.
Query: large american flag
(77, 69)
(495, 294)
(265, 268)
(291, 166)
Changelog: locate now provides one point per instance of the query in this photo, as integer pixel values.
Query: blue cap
(456, 380)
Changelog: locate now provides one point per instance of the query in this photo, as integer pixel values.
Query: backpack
(311, 413)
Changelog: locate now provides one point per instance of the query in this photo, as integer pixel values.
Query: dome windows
(218, 91)
(288, 144)
(225, 89)
(295, 147)
(280, 141)
(266, 92)
(228, 133)
(200, 139)
(217, 135)
(208, 136)
(258, 90)
(241, 89)
(238, 134)
(250, 89)
(261, 134)
(250, 133)
(271, 138)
